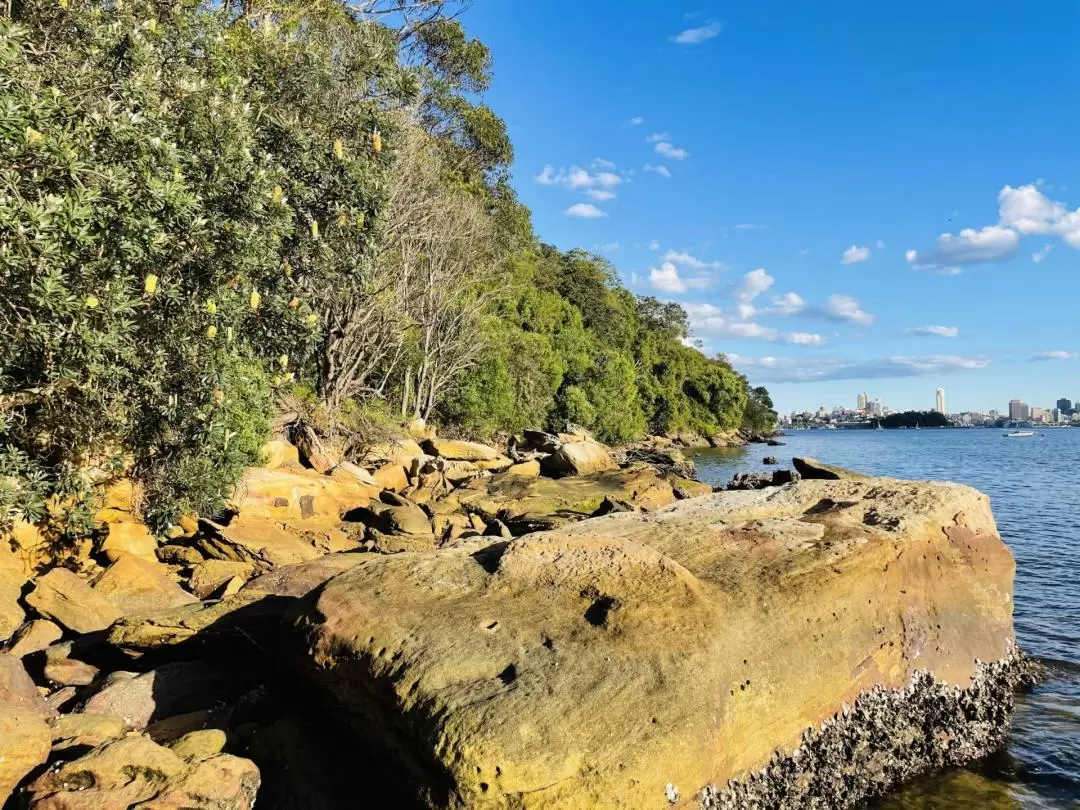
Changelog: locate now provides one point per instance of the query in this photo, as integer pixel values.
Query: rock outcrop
(637, 661)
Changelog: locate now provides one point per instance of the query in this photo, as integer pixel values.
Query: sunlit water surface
(1032, 484)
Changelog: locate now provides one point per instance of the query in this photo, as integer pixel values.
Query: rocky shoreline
(545, 624)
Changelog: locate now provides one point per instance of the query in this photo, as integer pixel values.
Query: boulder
(178, 555)
(279, 452)
(34, 636)
(770, 460)
(175, 688)
(195, 746)
(25, 741)
(530, 468)
(254, 540)
(351, 473)
(775, 443)
(761, 480)
(688, 487)
(16, 687)
(128, 537)
(542, 441)
(135, 585)
(635, 661)
(394, 514)
(577, 458)
(137, 772)
(209, 576)
(298, 494)
(63, 670)
(459, 450)
(391, 475)
(12, 581)
(86, 730)
(299, 580)
(68, 600)
(813, 469)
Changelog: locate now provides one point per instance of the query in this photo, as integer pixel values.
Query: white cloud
(1041, 254)
(846, 308)
(609, 247)
(854, 255)
(657, 137)
(692, 262)
(601, 194)
(669, 151)
(666, 278)
(549, 177)
(752, 285)
(805, 339)
(817, 369)
(1055, 355)
(585, 210)
(637, 121)
(1029, 211)
(992, 243)
(600, 163)
(576, 178)
(654, 245)
(663, 171)
(788, 304)
(879, 245)
(748, 226)
(695, 36)
(935, 331)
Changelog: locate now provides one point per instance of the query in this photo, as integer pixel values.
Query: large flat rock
(632, 660)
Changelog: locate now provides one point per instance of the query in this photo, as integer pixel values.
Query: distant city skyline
(1016, 408)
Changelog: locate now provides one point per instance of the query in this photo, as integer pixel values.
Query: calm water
(1032, 486)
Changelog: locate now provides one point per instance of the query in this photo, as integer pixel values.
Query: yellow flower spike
(63, 3)
(290, 377)
(255, 299)
(339, 149)
(211, 331)
(313, 320)
(277, 379)
(283, 360)
(32, 135)
(150, 284)
(376, 141)
(219, 396)
(211, 307)
(90, 302)
(315, 229)
(342, 220)
(276, 197)
(287, 268)
(151, 26)
(294, 303)
(360, 219)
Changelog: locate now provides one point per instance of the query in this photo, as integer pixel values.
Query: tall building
(1017, 410)
(863, 399)
(1065, 406)
(939, 401)
(875, 407)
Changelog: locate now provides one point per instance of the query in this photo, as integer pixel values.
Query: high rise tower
(939, 402)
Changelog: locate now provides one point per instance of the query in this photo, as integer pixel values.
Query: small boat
(1018, 434)
(879, 427)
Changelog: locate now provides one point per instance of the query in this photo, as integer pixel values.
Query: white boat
(1018, 434)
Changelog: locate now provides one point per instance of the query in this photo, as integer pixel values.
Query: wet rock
(137, 772)
(812, 469)
(578, 459)
(459, 450)
(761, 480)
(34, 636)
(68, 600)
(601, 663)
(775, 443)
(25, 741)
(135, 585)
(770, 460)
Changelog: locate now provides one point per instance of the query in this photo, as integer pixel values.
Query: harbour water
(1036, 501)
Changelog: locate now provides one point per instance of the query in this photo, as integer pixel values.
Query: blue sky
(845, 196)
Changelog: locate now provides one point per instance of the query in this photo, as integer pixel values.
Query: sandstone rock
(195, 746)
(403, 451)
(726, 439)
(619, 660)
(775, 443)
(178, 555)
(12, 581)
(577, 458)
(16, 687)
(500, 464)
(351, 473)
(395, 514)
(391, 476)
(297, 494)
(459, 450)
(813, 469)
(137, 772)
(207, 577)
(688, 488)
(25, 741)
(530, 468)
(68, 600)
(279, 452)
(610, 505)
(134, 585)
(234, 620)
(72, 730)
(170, 689)
(254, 540)
(129, 537)
(761, 480)
(34, 636)
(542, 441)
(63, 670)
(420, 430)
(314, 452)
(299, 580)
